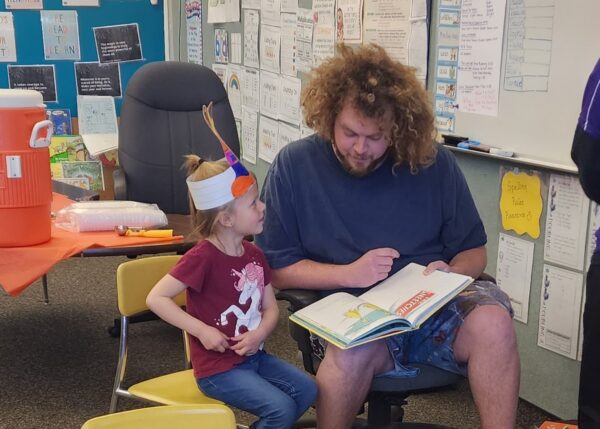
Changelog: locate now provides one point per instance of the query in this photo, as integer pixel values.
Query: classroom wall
(261, 167)
(548, 380)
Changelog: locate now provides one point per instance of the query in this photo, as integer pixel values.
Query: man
(586, 154)
(366, 195)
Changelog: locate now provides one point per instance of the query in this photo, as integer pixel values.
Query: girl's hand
(213, 339)
(437, 266)
(247, 343)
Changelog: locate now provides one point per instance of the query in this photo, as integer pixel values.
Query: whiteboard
(540, 125)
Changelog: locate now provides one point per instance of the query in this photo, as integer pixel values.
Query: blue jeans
(275, 391)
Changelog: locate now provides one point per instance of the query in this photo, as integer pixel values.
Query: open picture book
(400, 303)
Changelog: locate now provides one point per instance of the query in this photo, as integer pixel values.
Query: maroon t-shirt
(224, 292)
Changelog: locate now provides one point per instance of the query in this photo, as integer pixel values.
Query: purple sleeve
(589, 119)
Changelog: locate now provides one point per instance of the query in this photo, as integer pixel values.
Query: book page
(344, 316)
(412, 295)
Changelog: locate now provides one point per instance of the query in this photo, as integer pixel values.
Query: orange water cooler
(25, 181)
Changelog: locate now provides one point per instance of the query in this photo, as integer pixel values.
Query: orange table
(21, 266)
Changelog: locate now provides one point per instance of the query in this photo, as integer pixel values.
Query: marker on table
(476, 145)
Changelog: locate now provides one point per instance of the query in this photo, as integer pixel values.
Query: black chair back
(161, 121)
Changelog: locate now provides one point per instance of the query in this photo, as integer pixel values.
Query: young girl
(231, 306)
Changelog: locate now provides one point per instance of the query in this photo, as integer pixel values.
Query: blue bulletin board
(30, 45)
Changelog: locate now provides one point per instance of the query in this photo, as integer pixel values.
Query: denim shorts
(433, 342)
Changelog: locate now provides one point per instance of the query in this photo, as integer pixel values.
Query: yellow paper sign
(521, 203)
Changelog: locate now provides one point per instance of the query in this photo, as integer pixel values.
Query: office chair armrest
(486, 277)
(120, 185)
(298, 298)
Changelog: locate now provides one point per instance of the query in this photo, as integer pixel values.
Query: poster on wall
(118, 43)
(288, 44)
(8, 49)
(193, 19)
(40, 78)
(249, 130)
(566, 222)
(24, 4)
(448, 34)
(268, 138)
(481, 33)
(235, 43)
(304, 38)
(513, 272)
(98, 123)
(560, 309)
(348, 21)
(234, 89)
(221, 46)
(81, 3)
(98, 79)
(270, 42)
(223, 11)
(251, 20)
(60, 31)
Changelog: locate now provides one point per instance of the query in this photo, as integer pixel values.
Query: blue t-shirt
(316, 210)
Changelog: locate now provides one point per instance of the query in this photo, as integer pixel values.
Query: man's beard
(356, 172)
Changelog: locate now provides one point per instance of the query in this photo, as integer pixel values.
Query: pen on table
(475, 145)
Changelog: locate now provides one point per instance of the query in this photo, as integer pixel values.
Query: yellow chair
(172, 416)
(135, 279)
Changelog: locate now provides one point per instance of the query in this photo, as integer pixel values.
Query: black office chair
(161, 121)
(387, 395)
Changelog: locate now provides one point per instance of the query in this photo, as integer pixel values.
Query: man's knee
(371, 358)
(488, 327)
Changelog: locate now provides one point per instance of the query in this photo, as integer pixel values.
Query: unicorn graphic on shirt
(251, 284)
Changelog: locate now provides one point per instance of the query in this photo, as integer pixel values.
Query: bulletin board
(30, 46)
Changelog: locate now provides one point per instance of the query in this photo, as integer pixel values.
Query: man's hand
(212, 339)
(373, 266)
(247, 343)
(437, 266)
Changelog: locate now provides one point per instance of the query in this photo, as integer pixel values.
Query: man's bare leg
(487, 341)
(344, 378)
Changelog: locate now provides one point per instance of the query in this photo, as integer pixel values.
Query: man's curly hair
(375, 85)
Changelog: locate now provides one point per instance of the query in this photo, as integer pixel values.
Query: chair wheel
(113, 331)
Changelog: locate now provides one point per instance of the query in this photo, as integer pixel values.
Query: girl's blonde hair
(198, 169)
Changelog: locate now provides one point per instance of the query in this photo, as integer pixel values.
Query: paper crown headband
(226, 186)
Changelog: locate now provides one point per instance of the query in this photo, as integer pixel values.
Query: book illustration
(372, 314)
(108, 159)
(61, 119)
(67, 148)
(80, 182)
(92, 170)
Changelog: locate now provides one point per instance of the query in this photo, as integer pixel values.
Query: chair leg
(45, 288)
(380, 410)
(120, 373)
